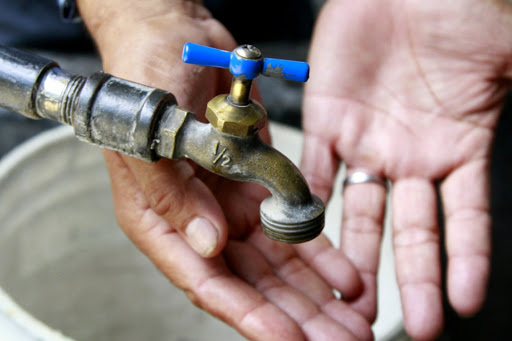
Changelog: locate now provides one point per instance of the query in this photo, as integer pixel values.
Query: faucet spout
(291, 214)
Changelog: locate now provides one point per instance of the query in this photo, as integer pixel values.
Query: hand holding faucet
(178, 213)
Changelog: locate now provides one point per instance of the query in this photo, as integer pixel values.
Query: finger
(207, 282)
(327, 268)
(250, 264)
(465, 194)
(319, 165)
(417, 258)
(331, 265)
(242, 201)
(172, 191)
(297, 266)
(361, 234)
(365, 304)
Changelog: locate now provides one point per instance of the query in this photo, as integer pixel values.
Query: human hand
(411, 91)
(266, 290)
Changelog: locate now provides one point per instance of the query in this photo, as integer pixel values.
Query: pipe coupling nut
(239, 120)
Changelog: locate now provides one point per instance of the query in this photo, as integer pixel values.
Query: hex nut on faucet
(235, 119)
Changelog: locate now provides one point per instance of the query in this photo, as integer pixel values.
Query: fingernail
(202, 236)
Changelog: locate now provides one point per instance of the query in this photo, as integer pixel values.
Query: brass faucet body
(291, 214)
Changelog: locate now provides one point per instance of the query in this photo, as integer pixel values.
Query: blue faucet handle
(245, 61)
(287, 69)
(206, 56)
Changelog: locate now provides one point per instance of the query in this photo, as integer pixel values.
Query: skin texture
(200, 230)
(411, 90)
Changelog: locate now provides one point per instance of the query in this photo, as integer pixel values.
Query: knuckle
(415, 237)
(166, 199)
(193, 298)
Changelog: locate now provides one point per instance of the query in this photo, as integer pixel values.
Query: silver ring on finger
(360, 177)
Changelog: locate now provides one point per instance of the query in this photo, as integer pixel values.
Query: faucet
(148, 124)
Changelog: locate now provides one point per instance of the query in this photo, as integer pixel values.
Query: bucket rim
(14, 320)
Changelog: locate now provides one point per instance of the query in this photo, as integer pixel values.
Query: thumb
(170, 190)
(319, 165)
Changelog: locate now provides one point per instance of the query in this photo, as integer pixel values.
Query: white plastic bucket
(67, 271)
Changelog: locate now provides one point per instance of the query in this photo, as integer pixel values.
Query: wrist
(110, 21)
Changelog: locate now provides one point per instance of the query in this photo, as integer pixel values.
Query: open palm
(411, 90)
(265, 289)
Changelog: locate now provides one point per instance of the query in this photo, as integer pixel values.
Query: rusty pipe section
(103, 110)
(146, 123)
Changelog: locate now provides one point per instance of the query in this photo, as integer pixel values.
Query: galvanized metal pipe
(20, 76)
(103, 110)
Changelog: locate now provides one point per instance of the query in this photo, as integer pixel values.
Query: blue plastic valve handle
(250, 68)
